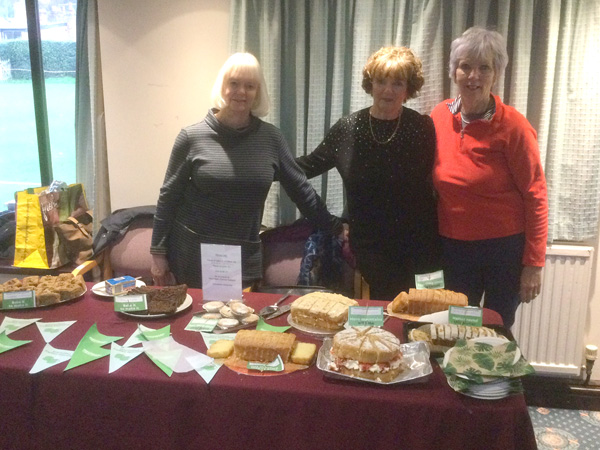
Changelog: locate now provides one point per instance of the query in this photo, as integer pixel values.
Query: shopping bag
(53, 227)
(30, 244)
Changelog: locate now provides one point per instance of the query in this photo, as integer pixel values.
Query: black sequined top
(388, 186)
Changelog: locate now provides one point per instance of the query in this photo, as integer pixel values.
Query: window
(22, 119)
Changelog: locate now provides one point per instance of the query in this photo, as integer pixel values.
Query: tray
(416, 357)
(75, 297)
(438, 351)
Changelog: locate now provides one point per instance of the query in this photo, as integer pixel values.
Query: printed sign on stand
(221, 272)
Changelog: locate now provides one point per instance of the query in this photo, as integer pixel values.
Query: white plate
(185, 305)
(440, 318)
(486, 397)
(415, 356)
(100, 290)
(483, 390)
(492, 394)
(315, 332)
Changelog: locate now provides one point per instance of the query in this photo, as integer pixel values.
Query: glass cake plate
(311, 331)
(415, 356)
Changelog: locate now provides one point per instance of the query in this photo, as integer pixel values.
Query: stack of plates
(495, 389)
(467, 380)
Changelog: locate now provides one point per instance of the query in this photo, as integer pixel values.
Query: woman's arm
(171, 193)
(302, 193)
(527, 172)
(323, 158)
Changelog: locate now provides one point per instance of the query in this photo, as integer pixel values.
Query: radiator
(550, 329)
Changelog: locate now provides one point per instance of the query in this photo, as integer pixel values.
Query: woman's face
(389, 94)
(475, 78)
(239, 93)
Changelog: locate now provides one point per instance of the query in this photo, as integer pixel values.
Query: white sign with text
(221, 272)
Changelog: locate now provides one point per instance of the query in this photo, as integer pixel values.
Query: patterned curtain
(313, 53)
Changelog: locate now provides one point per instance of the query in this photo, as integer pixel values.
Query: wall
(159, 60)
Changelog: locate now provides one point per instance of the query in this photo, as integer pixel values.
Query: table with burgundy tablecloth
(139, 406)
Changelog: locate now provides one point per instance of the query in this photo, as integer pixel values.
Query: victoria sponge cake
(367, 352)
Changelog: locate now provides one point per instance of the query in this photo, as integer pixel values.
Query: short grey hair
(480, 43)
(244, 64)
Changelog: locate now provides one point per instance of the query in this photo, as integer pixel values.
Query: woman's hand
(531, 283)
(161, 275)
(343, 236)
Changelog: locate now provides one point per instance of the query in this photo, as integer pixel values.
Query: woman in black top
(384, 155)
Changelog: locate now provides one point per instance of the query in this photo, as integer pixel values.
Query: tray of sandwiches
(49, 289)
(373, 355)
(441, 337)
(320, 314)
(162, 301)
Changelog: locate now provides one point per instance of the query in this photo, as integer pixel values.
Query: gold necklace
(393, 134)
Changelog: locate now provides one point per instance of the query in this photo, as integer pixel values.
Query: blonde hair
(394, 62)
(242, 64)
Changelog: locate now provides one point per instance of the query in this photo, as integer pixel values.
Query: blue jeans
(490, 266)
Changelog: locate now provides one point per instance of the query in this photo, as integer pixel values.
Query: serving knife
(280, 312)
(283, 310)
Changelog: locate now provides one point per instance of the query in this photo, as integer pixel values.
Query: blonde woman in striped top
(218, 177)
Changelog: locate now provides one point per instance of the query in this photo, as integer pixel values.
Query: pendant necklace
(393, 134)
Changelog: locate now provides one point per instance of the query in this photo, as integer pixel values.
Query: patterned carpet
(565, 428)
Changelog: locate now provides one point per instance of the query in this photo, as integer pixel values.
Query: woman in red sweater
(493, 205)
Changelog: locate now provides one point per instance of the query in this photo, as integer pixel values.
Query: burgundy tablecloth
(139, 406)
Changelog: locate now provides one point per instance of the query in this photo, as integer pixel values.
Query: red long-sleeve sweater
(490, 180)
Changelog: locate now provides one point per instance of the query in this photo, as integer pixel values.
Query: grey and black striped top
(216, 184)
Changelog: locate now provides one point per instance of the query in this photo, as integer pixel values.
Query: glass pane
(57, 23)
(19, 160)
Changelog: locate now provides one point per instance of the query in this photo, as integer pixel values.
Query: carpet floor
(565, 428)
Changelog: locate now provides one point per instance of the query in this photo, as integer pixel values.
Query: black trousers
(488, 268)
(392, 270)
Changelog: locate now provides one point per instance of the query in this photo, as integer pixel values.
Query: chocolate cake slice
(163, 300)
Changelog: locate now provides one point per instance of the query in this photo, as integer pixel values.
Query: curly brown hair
(395, 62)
